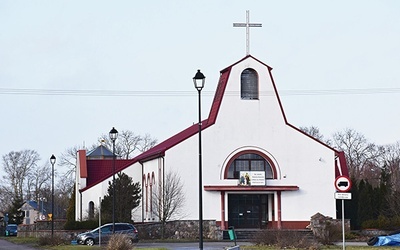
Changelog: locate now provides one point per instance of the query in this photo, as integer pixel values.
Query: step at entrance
(249, 234)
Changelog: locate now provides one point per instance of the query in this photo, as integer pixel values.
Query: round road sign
(342, 183)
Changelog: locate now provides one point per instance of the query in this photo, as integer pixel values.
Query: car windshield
(104, 229)
(12, 227)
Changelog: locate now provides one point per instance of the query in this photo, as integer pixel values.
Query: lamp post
(113, 136)
(199, 80)
(52, 161)
(42, 199)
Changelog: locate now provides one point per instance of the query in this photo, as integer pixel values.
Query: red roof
(96, 176)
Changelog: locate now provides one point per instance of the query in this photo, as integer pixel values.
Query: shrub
(383, 223)
(119, 242)
(332, 232)
(285, 239)
(47, 240)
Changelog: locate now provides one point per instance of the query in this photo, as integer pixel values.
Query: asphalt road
(171, 246)
(11, 246)
(187, 245)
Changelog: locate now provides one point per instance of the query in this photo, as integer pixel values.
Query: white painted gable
(304, 168)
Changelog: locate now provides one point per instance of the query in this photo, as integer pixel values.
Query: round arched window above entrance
(250, 161)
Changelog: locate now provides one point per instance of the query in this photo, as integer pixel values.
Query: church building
(259, 171)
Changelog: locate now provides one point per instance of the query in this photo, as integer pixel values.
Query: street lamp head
(113, 134)
(199, 79)
(52, 159)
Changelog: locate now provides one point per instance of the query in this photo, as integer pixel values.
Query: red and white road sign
(342, 183)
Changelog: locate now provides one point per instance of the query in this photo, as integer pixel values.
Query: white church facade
(259, 171)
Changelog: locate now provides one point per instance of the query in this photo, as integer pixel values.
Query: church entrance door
(248, 210)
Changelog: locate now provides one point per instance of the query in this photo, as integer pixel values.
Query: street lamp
(42, 199)
(199, 80)
(52, 161)
(113, 136)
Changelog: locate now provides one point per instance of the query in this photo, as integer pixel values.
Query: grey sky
(157, 46)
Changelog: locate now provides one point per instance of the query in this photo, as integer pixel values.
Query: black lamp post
(199, 80)
(113, 136)
(52, 161)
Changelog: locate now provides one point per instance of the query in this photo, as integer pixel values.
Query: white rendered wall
(260, 125)
(245, 125)
(100, 190)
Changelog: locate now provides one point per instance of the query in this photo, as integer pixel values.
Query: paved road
(11, 246)
(172, 246)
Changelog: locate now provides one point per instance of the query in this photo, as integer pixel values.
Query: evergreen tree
(127, 198)
(15, 215)
(365, 202)
(351, 206)
(70, 223)
(384, 194)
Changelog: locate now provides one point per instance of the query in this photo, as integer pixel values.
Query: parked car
(104, 234)
(11, 230)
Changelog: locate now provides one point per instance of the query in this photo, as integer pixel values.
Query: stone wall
(183, 229)
(327, 229)
(43, 229)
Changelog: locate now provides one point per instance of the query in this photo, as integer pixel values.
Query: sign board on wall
(252, 178)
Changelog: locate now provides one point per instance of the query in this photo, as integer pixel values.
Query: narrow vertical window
(91, 210)
(249, 84)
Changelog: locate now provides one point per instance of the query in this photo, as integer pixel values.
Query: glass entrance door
(247, 210)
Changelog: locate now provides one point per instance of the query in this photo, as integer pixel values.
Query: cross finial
(247, 25)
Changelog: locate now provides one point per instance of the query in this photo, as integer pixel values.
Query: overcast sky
(71, 70)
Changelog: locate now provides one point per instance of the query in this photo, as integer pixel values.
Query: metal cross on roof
(247, 25)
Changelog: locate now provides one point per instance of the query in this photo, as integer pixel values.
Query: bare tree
(391, 165)
(18, 166)
(168, 199)
(129, 144)
(36, 181)
(315, 133)
(68, 160)
(391, 162)
(147, 142)
(362, 156)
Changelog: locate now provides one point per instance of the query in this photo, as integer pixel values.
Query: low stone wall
(183, 229)
(326, 228)
(43, 229)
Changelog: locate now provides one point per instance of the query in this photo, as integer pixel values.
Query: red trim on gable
(343, 165)
(340, 154)
(160, 149)
(219, 94)
(244, 58)
(82, 163)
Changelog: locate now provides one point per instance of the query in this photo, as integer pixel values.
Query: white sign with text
(252, 178)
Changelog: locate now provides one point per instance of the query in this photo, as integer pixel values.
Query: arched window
(249, 162)
(249, 84)
(91, 210)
